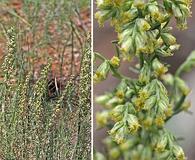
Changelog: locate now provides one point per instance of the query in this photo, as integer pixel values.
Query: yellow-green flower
(102, 118)
(115, 61)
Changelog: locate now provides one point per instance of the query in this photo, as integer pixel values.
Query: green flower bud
(103, 99)
(159, 121)
(124, 35)
(126, 145)
(178, 152)
(115, 62)
(149, 103)
(186, 105)
(159, 68)
(182, 86)
(114, 153)
(169, 111)
(142, 24)
(174, 47)
(168, 79)
(147, 123)
(108, 141)
(99, 156)
(143, 43)
(133, 123)
(121, 89)
(161, 144)
(127, 46)
(102, 16)
(145, 73)
(132, 13)
(140, 4)
(162, 106)
(119, 132)
(155, 13)
(129, 93)
(117, 112)
(102, 118)
(102, 72)
(113, 102)
(168, 39)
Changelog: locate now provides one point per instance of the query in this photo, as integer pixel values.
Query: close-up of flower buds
(143, 94)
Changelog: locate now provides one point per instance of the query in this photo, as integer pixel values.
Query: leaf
(188, 64)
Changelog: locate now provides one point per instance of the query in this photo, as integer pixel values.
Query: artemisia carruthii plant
(136, 111)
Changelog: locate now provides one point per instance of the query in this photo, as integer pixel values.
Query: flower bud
(182, 86)
(119, 132)
(139, 103)
(144, 76)
(102, 72)
(179, 153)
(113, 102)
(159, 121)
(117, 112)
(147, 123)
(140, 43)
(133, 123)
(159, 68)
(169, 111)
(102, 16)
(99, 156)
(168, 39)
(129, 93)
(149, 103)
(126, 145)
(142, 24)
(115, 62)
(114, 153)
(168, 79)
(103, 99)
(161, 144)
(155, 13)
(127, 46)
(186, 105)
(124, 35)
(174, 47)
(102, 118)
(140, 4)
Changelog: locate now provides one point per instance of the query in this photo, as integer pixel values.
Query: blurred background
(182, 125)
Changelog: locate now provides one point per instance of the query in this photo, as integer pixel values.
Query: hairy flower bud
(168, 39)
(133, 123)
(102, 72)
(182, 86)
(179, 153)
(117, 113)
(102, 118)
(115, 62)
(159, 68)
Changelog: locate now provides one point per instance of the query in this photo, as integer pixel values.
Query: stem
(141, 60)
(98, 55)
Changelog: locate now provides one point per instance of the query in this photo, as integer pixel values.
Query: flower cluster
(142, 27)
(137, 109)
(8, 64)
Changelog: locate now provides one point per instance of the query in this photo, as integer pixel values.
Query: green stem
(98, 55)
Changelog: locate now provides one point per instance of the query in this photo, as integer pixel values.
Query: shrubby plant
(32, 124)
(136, 111)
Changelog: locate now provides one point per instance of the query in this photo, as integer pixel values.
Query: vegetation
(136, 111)
(44, 109)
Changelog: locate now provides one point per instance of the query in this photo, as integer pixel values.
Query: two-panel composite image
(97, 80)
